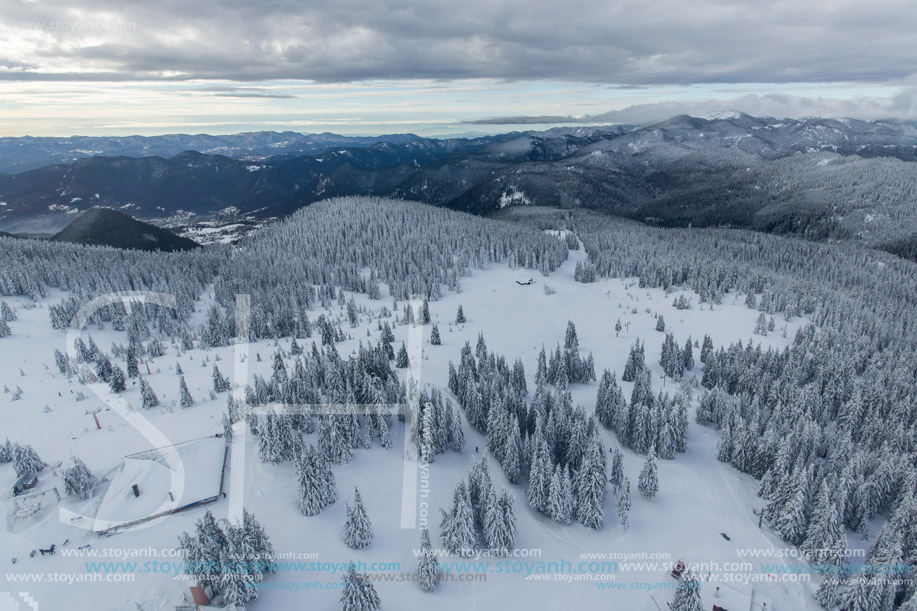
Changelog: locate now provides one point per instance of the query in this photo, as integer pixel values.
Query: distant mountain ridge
(820, 178)
(30, 153)
(107, 227)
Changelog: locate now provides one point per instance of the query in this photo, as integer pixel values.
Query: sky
(100, 67)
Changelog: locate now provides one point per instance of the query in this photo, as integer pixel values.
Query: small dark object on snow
(678, 569)
(47, 552)
(526, 283)
(25, 483)
(725, 536)
(718, 608)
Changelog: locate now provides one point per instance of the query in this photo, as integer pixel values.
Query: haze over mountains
(821, 178)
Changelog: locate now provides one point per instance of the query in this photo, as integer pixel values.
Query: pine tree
(660, 324)
(358, 593)
(239, 573)
(617, 470)
(560, 500)
(624, 504)
(147, 395)
(540, 473)
(460, 316)
(26, 460)
(826, 541)
(706, 349)
(761, 325)
(133, 366)
(425, 313)
(792, 519)
(116, 381)
(185, 399)
(571, 341)
(358, 531)
(618, 328)
(220, 383)
(402, 361)
(79, 481)
(428, 566)
(212, 543)
(687, 595)
(434, 336)
(7, 314)
(317, 487)
(458, 533)
(687, 356)
(648, 482)
(591, 484)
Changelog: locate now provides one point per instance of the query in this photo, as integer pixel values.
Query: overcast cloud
(98, 66)
(645, 42)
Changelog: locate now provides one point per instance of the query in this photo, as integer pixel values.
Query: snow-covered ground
(698, 498)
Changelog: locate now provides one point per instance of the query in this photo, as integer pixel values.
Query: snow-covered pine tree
(826, 541)
(434, 336)
(706, 349)
(591, 483)
(508, 507)
(687, 594)
(427, 566)
(540, 472)
(185, 399)
(660, 324)
(687, 355)
(648, 482)
(458, 532)
(560, 500)
(7, 314)
(147, 395)
(79, 482)
(211, 543)
(220, 383)
(358, 593)
(402, 361)
(358, 531)
(26, 460)
(117, 381)
(133, 365)
(258, 545)
(513, 456)
(239, 573)
(792, 519)
(425, 313)
(617, 470)
(460, 316)
(624, 503)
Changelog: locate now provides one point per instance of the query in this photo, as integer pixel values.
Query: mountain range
(820, 178)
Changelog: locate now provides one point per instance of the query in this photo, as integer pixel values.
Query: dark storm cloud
(636, 43)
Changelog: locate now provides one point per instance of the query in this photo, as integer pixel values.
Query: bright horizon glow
(426, 107)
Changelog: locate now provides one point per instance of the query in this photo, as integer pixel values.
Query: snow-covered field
(698, 498)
